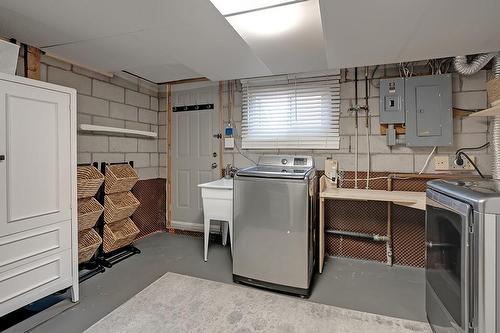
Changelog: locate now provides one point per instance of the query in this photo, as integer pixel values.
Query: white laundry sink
(222, 183)
(217, 199)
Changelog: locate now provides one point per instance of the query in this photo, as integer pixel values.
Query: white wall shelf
(117, 130)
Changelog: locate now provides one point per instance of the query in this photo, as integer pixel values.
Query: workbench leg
(321, 233)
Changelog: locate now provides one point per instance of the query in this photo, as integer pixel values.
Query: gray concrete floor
(358, 285)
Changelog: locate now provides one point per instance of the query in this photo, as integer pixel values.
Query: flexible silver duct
(468, 68)
(495, 133)
(495, 138)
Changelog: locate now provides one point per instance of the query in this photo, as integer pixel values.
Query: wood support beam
(196, 79)
(170, 229)
(32, 62)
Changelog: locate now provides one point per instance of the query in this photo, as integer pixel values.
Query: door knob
(214, 165)
(2, 157)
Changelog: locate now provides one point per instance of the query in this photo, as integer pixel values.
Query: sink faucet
(230, 171)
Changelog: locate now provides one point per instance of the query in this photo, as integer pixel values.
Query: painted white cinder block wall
(128, 102)
(121, 101)
(469, 92)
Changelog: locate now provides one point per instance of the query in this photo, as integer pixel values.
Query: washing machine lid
(266, 171)
(280, 166)
(482, 195)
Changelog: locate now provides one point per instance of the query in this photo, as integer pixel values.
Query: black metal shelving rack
(109, 259)
(92, 267)
(101, 260)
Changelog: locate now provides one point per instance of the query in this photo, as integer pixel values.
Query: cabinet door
(35, 176)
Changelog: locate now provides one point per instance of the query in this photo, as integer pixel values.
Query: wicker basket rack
(89, 179)
(89, 210)
(119, 234)
(119, 206)
(120, 178)
(88, 242)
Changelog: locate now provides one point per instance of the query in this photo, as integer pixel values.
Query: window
(291, 112)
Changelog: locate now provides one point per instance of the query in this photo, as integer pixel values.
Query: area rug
(179, 303)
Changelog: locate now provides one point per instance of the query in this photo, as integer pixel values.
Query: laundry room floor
(358, 285)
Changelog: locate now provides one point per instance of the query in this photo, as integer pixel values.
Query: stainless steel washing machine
(275, 217)
(463, 256)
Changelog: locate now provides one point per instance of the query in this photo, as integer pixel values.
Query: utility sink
(223, 184)
(217, 205)
(218, 199)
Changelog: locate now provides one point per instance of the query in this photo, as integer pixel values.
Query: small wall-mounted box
(392, 93)
(423, 104)
(229, 143)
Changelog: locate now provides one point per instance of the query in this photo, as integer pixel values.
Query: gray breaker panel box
(429, 113)
(423, 104)
(392, 110)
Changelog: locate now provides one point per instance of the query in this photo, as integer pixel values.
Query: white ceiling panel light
(272, 21)
(233, 7)
(286, 35)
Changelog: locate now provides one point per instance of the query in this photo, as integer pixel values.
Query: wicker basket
(88, 242)
(119, 234)
(119, 178)
(89, 210)
(119, 206)
(89, 179)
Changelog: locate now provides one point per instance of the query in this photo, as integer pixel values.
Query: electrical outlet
(441, 163)
(467, 165)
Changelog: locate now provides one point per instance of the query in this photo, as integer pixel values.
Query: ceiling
(180, 39)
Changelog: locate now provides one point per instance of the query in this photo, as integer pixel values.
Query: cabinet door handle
(2, 157)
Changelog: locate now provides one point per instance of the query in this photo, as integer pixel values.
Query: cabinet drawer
(23, 247)
(28, 283)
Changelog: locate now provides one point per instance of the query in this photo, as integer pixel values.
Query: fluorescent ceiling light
(236, 7)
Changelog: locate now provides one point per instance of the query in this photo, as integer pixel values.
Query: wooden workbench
(327, 191)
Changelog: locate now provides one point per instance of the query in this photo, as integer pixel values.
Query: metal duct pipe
(495, 133)
(374, 237)
(468, 68)
(495, 145)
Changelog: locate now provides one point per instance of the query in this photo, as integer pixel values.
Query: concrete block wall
(127, 102)
(120, 101)
(469, 92)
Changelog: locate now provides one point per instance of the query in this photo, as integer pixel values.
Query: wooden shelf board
(117, 130)
(403, 198)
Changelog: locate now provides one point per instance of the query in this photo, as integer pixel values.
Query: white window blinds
(291, 112)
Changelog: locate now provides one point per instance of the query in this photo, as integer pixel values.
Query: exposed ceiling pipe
(467, 68)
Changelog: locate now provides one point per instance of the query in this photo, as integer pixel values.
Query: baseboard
(191, 226)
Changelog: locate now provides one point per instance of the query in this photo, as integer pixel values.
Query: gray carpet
(179, 303)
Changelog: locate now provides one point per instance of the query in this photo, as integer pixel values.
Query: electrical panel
(392, 93)
(429, 112)
(423, 104)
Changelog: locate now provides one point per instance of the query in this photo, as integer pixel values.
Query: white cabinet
(38, 230)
